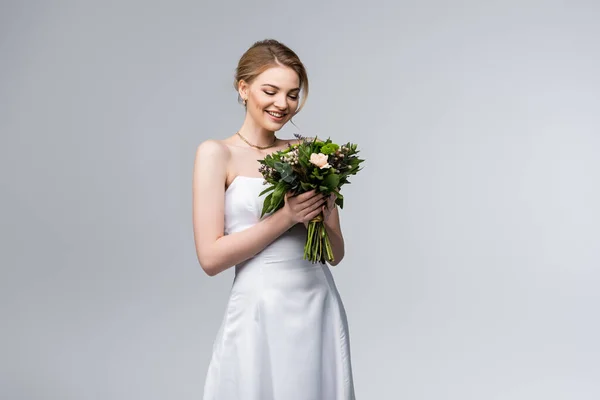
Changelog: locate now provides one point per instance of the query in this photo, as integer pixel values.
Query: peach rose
(320, 160)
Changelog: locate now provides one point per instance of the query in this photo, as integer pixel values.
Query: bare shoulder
(212, 148)
(210, 163)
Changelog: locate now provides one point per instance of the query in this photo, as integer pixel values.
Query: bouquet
(301, 167)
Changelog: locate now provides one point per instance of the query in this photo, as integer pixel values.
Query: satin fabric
(284, 335)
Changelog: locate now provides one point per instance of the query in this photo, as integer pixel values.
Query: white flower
(320, 160)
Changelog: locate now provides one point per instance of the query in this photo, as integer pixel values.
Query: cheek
(260, 100)
(259, 104)
(294, 105)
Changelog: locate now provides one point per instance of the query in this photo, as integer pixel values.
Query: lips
(276, 116)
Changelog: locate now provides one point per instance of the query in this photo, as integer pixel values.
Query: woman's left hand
(328, 207)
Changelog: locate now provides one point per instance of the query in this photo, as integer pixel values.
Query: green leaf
(288, 175)
(306, 186)
(278, 196)
(267, 190)
(329, 148)
(316, 173)
(266, 205)
(278, 165)
(332, 181)
(340, 199)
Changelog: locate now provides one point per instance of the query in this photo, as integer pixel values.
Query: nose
(280, 102)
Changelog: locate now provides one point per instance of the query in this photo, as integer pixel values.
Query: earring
(245, 102)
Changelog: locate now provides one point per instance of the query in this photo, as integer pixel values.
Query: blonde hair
(265, 54)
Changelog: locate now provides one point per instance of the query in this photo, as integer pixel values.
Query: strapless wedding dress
(284, 335)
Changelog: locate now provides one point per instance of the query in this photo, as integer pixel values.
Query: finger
(328, 203)
(331, 201)
(318, 208)
(312, 214)
(317, 198)
(307, 195)
(294, 198)
(318, 204)
(290, 193)
(313, 194)
(313, 209)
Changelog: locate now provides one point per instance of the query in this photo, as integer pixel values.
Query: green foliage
(329, 148)
(301, 175)
(331, 182)
(290, 171)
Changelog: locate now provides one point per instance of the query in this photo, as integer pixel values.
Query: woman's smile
(276, 116)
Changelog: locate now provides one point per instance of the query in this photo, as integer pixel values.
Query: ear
(243, 89)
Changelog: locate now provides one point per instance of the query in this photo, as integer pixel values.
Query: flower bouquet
(302, 167)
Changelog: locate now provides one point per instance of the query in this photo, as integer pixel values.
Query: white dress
(284, 335)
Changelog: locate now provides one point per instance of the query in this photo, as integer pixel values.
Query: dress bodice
(243, 207)
(243, 204)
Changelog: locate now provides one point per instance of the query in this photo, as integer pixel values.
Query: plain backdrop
(472, 233)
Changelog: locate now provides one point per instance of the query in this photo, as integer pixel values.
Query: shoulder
(212, 148)
(212, 157)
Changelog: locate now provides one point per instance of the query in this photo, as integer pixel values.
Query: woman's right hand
(303, 207)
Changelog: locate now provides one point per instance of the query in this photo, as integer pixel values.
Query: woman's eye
(293, 97)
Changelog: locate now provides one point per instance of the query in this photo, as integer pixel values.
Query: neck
(255, 133)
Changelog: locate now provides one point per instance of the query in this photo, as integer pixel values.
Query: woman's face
(273, 97)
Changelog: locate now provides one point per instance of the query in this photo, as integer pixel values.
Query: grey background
(472, 266)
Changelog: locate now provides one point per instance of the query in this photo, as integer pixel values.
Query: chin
(273, 126)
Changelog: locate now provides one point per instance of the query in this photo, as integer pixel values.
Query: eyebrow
(273, 86)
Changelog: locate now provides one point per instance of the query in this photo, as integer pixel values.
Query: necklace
(255, 146)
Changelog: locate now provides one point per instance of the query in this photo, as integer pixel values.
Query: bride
(284, 334)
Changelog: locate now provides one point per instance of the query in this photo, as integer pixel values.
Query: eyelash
(272, 93)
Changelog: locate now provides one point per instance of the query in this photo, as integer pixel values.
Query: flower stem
(318, 246)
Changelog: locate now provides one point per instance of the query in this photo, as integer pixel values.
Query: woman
(284, 335)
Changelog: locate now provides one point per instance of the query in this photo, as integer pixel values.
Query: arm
(216, 251)
(332, 226)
